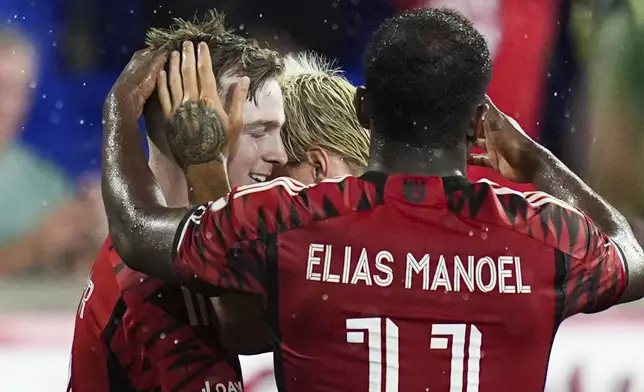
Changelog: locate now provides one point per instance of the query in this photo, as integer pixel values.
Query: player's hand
(190, 101)
(508, 149)
(137, 82)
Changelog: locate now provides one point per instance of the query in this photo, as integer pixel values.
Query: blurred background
(571, 73)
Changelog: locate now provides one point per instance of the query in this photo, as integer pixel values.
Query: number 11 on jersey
(371, 328)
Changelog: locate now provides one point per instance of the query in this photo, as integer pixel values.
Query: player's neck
(398, 158)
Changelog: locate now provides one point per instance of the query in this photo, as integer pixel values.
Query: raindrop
(556, 94)
(471, 233)
(44, 96)
(325, 297)
(54, 117)
(162, 335)
(32, 84)
(241, 27)
(81, 122)
(176, 341)
(335, 26)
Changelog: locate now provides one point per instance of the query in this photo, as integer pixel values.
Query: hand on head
(508, 149)
(190, 101)
(192, 86)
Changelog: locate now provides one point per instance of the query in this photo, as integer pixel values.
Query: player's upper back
(447, 233)
(482, 269)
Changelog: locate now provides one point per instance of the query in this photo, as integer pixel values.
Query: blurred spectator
(616, 83)
(44, 224)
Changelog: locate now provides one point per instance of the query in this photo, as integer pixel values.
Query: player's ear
(319, 160)
(359, 101)
(477, 129)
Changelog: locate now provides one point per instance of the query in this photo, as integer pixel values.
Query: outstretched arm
(142, 229)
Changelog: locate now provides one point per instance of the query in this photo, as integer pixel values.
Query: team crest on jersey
(414, 190)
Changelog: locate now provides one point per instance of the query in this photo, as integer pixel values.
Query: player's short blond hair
(318, 102)
(230, 52)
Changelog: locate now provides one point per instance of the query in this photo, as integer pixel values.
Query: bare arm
(553, 177)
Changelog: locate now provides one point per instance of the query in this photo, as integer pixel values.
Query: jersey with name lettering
(137, 333)
(405, 283)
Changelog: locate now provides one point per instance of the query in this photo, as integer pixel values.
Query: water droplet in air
(162, 335)
(325, 297)
(176, 341)
(32, 84)
(81, 122)
(471, 233)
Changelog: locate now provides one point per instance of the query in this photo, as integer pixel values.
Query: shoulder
(537, 215)
(285, 204)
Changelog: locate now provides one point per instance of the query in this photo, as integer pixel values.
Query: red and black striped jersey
(404, 282)
(136, 333)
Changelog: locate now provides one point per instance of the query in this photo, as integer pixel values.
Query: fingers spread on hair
(207, 81)
(164, 94)
(176, 85)
(189, 72)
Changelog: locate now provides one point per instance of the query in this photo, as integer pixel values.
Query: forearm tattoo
(196, 134)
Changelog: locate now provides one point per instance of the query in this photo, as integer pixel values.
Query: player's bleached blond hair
(318, 103)
(230, 52)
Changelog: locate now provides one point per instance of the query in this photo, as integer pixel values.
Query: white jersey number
(370, 329)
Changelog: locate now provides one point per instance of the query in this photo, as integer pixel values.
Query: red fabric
(521, 60)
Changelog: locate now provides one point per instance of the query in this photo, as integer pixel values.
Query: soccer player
(134, 332)
(409, 277)
(321, 134)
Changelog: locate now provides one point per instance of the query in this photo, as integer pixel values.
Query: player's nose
(276, 154)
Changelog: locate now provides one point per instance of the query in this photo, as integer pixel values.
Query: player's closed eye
(257, 135)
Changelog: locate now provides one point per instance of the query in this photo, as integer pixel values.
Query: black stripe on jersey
(272, 308)
(562, 265)
(116, 375)
(120, 266)
(379, 180)
(177, 235)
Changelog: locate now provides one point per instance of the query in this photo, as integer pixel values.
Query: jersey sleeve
(597, 280)
(228, 244)
(212, 255)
